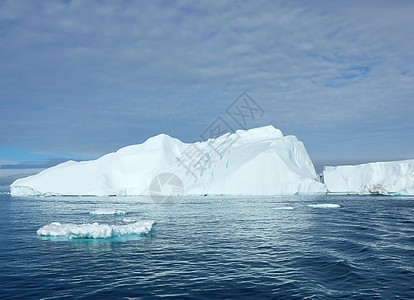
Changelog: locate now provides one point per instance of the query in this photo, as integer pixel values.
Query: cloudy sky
(82, 78)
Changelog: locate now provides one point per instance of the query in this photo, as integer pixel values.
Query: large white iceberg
(258, 161)
(387, 178)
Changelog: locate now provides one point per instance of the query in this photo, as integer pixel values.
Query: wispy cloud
(91, 76)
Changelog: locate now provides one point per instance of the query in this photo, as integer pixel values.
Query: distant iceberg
(258, 161)
(95, 230)
(385, 178)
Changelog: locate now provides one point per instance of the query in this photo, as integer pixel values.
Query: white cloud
(91, 76)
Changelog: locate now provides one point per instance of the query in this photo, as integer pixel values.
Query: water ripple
(267, 247)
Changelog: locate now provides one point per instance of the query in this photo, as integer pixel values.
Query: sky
(82, 78)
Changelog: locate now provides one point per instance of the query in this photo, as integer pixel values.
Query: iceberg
(385, 178)
(259, 161)
(95, 230)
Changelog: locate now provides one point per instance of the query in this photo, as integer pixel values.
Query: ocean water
(212, 247)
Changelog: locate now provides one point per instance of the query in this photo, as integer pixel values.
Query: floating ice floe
(324, 205)
(107, 212)
(95, 230)
(283, 208)
(129, 220)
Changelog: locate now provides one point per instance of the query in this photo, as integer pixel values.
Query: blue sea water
(212, 247)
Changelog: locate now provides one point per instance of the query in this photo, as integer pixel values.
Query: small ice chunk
(324, 205)
(107, 212)
(283, 208)
(129, 220)
(95, 230)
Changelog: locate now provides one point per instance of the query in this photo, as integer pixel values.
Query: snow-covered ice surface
(258, 161)
(107, 212)
(324, 205)
(95, 230)
(386, 178)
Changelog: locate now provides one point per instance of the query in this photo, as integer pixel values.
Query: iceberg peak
(261, 132)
